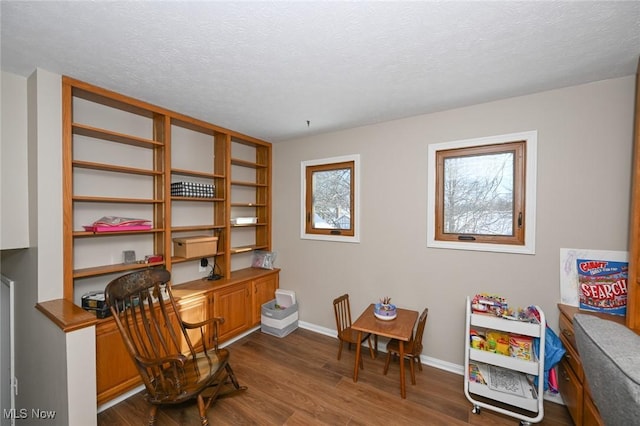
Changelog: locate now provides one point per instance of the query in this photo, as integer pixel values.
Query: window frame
(487, 145)
(330, 234)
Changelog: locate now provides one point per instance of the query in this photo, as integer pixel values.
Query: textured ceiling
(265, 68)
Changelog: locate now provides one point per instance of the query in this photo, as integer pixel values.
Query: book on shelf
(117, 223)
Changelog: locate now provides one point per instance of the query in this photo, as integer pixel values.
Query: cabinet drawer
(566, 331)
(571, 390)
(573, 359)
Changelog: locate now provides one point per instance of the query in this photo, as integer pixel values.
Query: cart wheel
(525, 423)
(476, 409)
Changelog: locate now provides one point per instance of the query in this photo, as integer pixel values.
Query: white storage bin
(279, 321)
(285, 298)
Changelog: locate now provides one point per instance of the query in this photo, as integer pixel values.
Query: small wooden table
(400, 328)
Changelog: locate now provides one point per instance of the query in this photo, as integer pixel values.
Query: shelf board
(194, 173)
(528, 402)
(195, 228)
(178, 198)
(244, 163)
(107, 98)
(248, 205)
(512, 363)
(94, 132)
(248, 225)
(182, 259)
(247, 249)
(510, 326)
(112, 168)
(196, 125)
(90, 199)
(111, 269)
(175, 259)
(66, 315)
(252, 184)
(106, 234)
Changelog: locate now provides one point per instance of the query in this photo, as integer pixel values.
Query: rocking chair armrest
(190, 325)
(172, 359)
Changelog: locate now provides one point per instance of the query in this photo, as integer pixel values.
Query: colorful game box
(521, 347)
(603, 286)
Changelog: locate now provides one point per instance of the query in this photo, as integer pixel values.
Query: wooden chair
(346, 334)
(172, 368)
(412, 348)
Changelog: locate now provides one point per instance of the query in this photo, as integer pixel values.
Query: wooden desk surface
(570, 311)
(400, 328)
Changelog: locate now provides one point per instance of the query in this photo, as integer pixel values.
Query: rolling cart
(509, 379)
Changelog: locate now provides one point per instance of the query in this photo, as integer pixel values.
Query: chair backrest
(150, 326)
(342, 311)
(419, 332)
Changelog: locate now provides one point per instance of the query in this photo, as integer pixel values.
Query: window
(482, 194)
(330, 199)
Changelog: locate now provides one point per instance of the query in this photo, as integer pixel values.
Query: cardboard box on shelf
(198, 246)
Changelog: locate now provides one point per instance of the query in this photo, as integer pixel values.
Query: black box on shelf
(94, 300)
(96, 303)
(193, 189)
(100, 313)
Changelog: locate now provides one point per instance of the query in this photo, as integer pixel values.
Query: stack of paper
(116, 223)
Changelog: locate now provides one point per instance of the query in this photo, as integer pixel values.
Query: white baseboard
(318, 329)
(119, 398)
(553, 397)
(433, 362)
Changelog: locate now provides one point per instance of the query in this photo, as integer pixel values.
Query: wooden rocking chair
(172, 368)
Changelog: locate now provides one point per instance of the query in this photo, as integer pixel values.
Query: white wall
(14, 220)
(54, 368)
(45, 149)
(584, 160)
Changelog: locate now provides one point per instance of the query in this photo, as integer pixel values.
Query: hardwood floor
(297, 380)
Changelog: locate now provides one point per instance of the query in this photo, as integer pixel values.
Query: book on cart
(502, 379)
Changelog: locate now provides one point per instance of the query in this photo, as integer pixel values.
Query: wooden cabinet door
(233, 304)
(194, 310)
(591, 416)
(264, 290)
(571, 390)
(115, 372)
